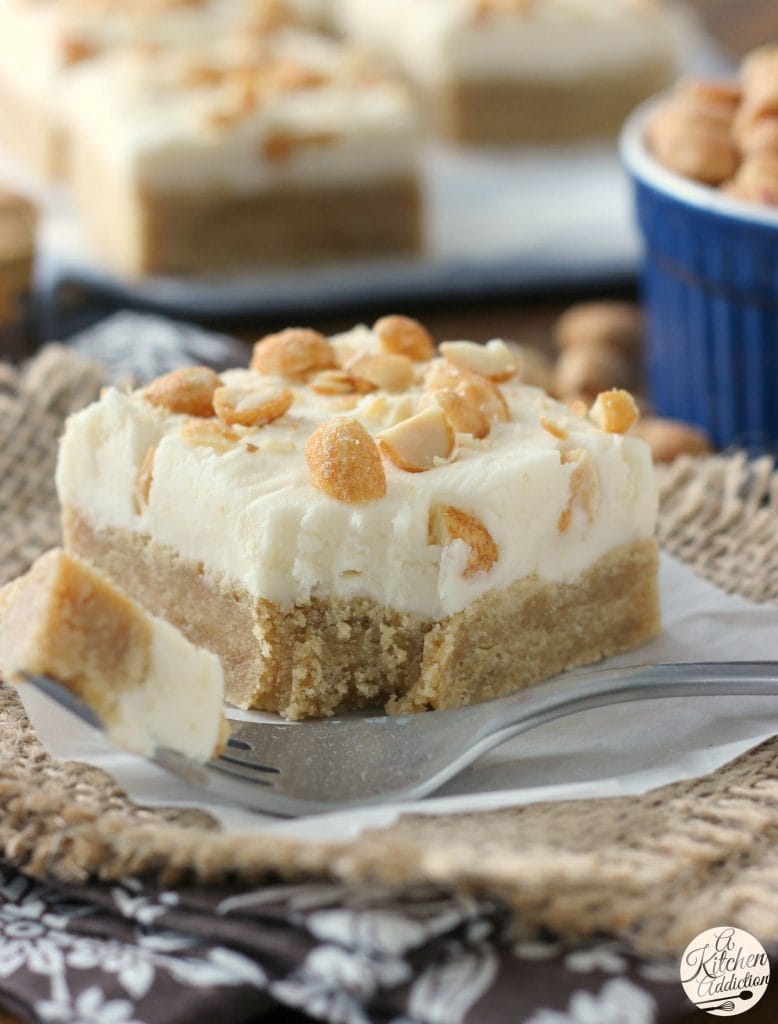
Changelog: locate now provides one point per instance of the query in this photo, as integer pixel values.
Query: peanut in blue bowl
(710, 288)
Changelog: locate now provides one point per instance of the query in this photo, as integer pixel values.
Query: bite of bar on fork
(146, 684)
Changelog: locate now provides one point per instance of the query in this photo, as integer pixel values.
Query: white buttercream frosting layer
(436, 41)
(244, 112)
(178, 706)
(249, 512)
(42, 39)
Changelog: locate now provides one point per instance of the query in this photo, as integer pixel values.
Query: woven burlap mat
(658, 868)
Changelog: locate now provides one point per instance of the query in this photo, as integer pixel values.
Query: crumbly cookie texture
(383, 506)
(148, 684)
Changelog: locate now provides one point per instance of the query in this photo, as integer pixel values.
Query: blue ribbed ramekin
(710, 288)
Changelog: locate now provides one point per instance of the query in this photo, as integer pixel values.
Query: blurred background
(519, 233)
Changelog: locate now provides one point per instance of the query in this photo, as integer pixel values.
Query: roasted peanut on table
(600, 344)
(669, 439)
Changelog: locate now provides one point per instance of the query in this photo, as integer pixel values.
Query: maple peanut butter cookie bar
(359, 520)
(274, 149)
(212, 136)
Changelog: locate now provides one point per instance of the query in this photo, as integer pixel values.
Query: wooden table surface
(738, 25)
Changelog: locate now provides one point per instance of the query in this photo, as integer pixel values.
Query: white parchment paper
(624, 749)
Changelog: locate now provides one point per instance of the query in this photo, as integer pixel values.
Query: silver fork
(296, 768)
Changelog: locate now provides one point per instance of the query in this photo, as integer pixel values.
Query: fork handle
(620, 686)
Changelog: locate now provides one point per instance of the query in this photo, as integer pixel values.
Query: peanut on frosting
(553, 427)
(493, 360)
(344, 462)
(463, 415)
(420, 442)
(332, 382)
(251, 407)
(210, 433)
(584, 487)
(420, 429)
(482, 10)
(478, 390)
(448, 524)
(74, 49)
(278, 146)
(230, 90)
(144, 477)
(402, 335)
(614, 411)
(385, 370)
(189, 390)
(294, 353)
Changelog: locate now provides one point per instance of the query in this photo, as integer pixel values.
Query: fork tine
(231, 787)
(238, 744)
(241, 771)
(246, 762)
(65, 698)
(236, 770)
(354, 761)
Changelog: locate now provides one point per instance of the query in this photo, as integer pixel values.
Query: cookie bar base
(504, 111)
(138, 230)
(329, 656)
(65, 621)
